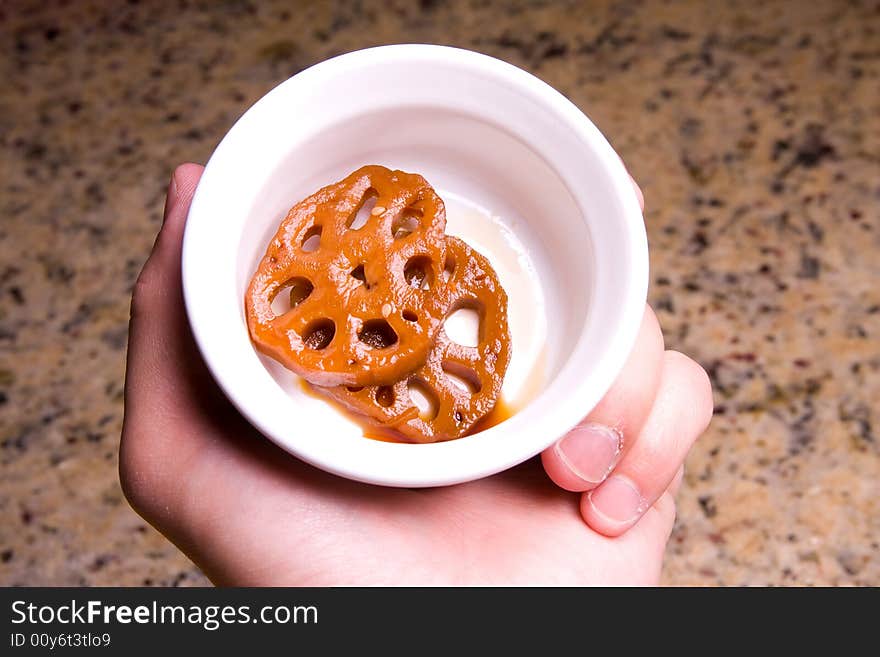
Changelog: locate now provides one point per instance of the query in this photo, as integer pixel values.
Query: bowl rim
(462, 460)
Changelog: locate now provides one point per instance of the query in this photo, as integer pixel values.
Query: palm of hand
(516, 528)
(251, 514)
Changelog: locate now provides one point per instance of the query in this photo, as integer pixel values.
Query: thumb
(164, 260)
(158, 326)
(160, 349)
(157, 295)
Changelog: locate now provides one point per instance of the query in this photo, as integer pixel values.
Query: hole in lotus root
(410, 316)
(463, 326)
(319, 333)
(358, 273)
(448, 268)
(406, 223)
(385, 396)
(424, 398)
(462, 376)
(417, 272)
(354, 388)
(377, 333)
(359, 219)
(312, 239)
(291, 294)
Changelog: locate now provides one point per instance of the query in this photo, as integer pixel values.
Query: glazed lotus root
(459, 401)
(363, 303)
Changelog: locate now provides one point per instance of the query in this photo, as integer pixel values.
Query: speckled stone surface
(752, 127)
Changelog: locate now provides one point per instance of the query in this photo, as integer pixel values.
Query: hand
(248, 513)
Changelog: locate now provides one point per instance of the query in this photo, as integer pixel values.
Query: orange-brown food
(364, 302)
(456, 403)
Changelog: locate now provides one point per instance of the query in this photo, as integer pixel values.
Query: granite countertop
(754, 129)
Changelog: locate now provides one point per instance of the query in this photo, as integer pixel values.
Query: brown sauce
(501, 412)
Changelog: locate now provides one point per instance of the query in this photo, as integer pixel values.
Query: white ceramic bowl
(478, 129)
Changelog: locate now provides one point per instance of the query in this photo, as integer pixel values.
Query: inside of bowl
(501, 197)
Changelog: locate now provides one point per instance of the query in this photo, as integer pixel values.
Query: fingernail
(591, 451)
(618, 500)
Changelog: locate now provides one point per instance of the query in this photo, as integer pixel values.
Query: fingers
(639, 195)
(658, 521)
(681, 412)
(636, 188)
(587, 455)
(583, 458)
(675, 486)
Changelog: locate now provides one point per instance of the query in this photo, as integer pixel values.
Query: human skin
(596, 508)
